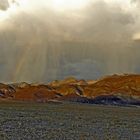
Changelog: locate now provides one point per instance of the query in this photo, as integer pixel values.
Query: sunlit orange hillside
(115, 89)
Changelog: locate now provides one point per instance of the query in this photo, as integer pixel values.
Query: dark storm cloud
(43, 45)
(107, 29)
(107, 23)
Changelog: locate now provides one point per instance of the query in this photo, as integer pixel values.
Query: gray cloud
(136, 1)
(4, 4)
(44, 45)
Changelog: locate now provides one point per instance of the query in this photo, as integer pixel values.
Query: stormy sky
(41, 42)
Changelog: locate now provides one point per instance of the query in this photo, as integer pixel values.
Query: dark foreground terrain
(67, 121)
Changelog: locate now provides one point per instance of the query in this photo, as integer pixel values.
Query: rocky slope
(114, 90)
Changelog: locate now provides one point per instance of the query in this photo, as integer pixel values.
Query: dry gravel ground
(67, 121)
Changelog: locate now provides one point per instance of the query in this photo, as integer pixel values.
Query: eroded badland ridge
(113, 90)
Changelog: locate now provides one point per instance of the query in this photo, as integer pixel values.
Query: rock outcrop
(113, 90)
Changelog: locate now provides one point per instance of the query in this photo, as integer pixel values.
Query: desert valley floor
(68, 121)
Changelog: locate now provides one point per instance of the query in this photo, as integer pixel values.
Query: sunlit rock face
(110, 90)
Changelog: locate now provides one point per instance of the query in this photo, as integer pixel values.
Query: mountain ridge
(114, 89)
